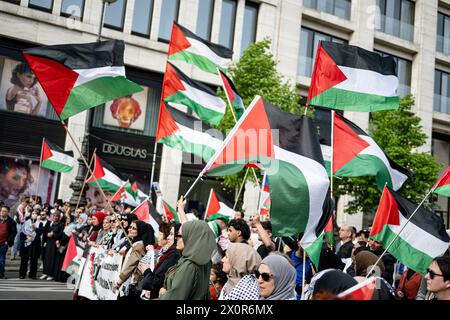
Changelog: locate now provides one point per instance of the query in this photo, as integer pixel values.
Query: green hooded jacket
(189, 278)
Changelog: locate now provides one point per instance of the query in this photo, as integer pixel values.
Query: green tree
(399, 133)
(256, 74)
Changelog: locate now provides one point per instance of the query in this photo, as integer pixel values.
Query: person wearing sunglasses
(276, 278)
(240, 263)
(438, 278)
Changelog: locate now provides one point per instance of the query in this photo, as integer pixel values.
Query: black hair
(21, 68)
(353, 230)
(444, 264)
(360, 249)
(242, 214)
(7, 164)
(242, 226)
(221, 276)
(165, 228)
(267, 225)
(366, 233)
(5, 206)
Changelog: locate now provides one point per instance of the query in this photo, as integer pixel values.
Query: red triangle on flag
(71, 253)
(171, 83)
(134, 187)
(346, 143)
(119, 194)
(444, 179)
(142, 211)
(213, 204)
(361, 291)
(169, 214)
(387, 213)
(166, 125)
(56, 79)
(178, 41)
(326, 74)
(46, 152)
(98, 170)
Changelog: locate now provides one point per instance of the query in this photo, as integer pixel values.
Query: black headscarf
(334, 281)
(176, 229)
(130, 217)
(145, 233)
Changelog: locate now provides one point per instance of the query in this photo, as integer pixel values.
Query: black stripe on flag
(57, 148)
(224, 201)
(193, 83)
(218, 49)
(355, 57)
(106, 165)
(83, 55)
(297, 134)
(424, 219)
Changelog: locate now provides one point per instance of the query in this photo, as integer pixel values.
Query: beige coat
(130, 267)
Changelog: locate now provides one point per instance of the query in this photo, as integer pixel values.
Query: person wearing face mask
(27, 235)
(55, 233)
(37, 242)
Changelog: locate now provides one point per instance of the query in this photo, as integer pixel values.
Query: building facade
(416, 33)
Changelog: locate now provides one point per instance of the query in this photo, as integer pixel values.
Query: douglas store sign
(124, 151)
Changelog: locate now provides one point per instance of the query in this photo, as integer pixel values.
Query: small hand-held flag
(55, 158)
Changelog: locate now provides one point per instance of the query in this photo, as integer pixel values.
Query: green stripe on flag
(178, 142)
(56, 166)
(105, 185)
(444, 190)
(97, 92)
(314, 250)
(351, 101)
(200, 61)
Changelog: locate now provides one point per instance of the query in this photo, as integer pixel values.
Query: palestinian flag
(143, 213)
(181, 131)
(120, 195)
(218, 207)
(364, 290)
(132, 189)
(76, 77)
(186, 46)
(180, 89)
(442, 187)
(214, 228)
(171, 213)
(56, 159)
(422, 239)
(264, 198)
(287, 147)
(329, 232)
(106, 176)
(75, 250)
(234, 99)
(355, 154)
(353, 79)
(326, 153)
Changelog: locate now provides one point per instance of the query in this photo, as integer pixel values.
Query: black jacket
(12, 231)
(154, 281)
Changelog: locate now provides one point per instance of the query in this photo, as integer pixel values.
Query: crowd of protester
(220, 259)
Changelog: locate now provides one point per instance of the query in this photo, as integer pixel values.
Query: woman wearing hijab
(97, 222)
(142, 235)
(364, 261)
(81, 225)
(189, 278)
(330, 282)
(240, 263)
(55, 233)
(153, 281)
(120, 239)
(276, 278)
(105, 237)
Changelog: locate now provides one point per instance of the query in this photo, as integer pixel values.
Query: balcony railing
(441, 104)
(443, 44)
(396, 28)
(338, 8)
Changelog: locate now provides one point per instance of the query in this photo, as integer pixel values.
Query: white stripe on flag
(204, 99)
(367, 81)
(198, 137)
(62, 158)
(201, 49)
(226, 210)
(86, 75)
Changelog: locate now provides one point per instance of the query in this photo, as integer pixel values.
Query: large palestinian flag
(186, 46)
(181, 131)
(56, 159)
(180, 89)
(287, 147)
(234, 99)
(106, 176)
(218, 207)
(355, 154)
(442, 187)
(421, 240)
(76, 77)
(350, 78)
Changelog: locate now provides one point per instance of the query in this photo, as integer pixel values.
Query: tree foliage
(399, 133)
(256, 74)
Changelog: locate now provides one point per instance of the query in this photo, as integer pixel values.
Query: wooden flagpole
(85, 178)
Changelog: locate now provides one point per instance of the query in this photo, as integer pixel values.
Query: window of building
(442, 91)
(227, 23)
(338, 8)
(142, 17)
(44, 5)
(397, 18)
(404, 68)
(115, 14)
(205, 18)
(13, 1)
(443, 34)
(169, 14)
(72, 8)
(309, 40)
(250, 23)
